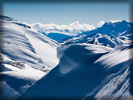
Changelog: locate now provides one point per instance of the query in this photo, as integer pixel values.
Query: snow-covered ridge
(110, 34)
(27, 56)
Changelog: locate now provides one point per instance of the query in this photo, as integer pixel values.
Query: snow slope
(59, 37)
(85, 72)
(93, 65)
(27, 56)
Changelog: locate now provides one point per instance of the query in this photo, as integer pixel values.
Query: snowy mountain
(60, 32)
(26, 57)
(86, 72)
(110, 34)
(92, 65)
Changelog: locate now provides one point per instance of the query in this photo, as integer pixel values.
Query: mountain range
(93, 64)
(109, 34)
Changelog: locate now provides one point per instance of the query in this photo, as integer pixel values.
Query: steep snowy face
(116, 85)
(86, 72)
(110, 34)
(26, 56)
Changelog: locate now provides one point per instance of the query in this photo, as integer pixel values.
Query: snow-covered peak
(101, 23)
(115, 23)
(72, 29)
(110, 34)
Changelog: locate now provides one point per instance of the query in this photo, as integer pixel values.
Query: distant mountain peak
(109, 34)
(115, 23)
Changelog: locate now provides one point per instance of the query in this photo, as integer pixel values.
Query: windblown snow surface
(86, 72)
(27, 57)
(37, 67)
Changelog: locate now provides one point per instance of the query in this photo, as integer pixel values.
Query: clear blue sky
(66, 13)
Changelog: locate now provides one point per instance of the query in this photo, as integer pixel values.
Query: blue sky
(66, 13)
